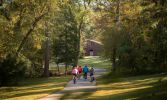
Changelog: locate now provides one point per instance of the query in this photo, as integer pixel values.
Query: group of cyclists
(78, 70)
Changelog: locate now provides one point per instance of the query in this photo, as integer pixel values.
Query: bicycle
(74, 78)
(92, 78)
(85, 75)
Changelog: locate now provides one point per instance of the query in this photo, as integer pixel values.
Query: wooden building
(92, 48)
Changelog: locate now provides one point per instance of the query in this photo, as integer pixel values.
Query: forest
(36, 33)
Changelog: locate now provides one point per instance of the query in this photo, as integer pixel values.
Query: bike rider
(92, 74)
(79, 71)
(75, 73)
(85, 71)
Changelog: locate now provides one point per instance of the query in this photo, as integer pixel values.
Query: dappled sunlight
(133, 83)
(130, 88)
(83, 49)
(92, 57)
(95, 61)
(29, 92)
(41, 86)
(34, 89)
(36, 93)
(117, 91)
(124, 86)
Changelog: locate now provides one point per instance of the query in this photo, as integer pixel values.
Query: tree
(66, 31)
(23, 33)
(46, 52)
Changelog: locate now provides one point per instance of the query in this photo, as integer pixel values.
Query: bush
(12, 70)
(34, 71)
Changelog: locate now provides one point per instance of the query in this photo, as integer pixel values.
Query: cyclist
(92, 74)
(85, 71)
(79, 71)
(75, 73)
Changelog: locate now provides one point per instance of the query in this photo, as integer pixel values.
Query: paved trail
(81, 85)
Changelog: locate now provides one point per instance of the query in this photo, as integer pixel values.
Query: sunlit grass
(95, 61)
(122, 87)
(54, 69)
(32, 89)
(91, 61)
(131, 88)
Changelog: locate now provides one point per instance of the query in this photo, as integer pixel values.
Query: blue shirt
(85, 69)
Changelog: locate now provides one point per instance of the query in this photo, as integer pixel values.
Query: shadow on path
(76, 91)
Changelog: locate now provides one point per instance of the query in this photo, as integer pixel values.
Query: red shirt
(80, 69)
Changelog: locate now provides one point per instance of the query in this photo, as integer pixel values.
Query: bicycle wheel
(74, 80)
(92, 78)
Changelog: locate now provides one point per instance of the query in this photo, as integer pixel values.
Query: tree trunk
(66, 69)
(114, 59)
(46, 66)
(1, 2)
(79, 40)
(118, 13)
(114, 50)
(77, 51)
(66, 52)
(29, 32)
(58, 69)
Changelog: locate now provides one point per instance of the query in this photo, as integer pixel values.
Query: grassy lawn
(109, 86)
(120, 87)
(97, 62)
(32, 89)
(147, 87)
(153, 87)
(53, 68)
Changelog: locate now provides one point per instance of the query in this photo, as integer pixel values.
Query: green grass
(32, 89)
(109, 87)
(96, 61)
(54, 69)
(147, 87)
(153, 87)
(122, 87)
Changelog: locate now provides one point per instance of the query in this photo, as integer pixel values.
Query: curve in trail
(81, 85)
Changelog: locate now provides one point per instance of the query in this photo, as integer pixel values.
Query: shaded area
(119, 86)
(122, 86)
(80, 94)
(153, 87)
(75, 91)
(33, 88)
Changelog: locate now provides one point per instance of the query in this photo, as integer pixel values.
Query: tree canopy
(133, 32)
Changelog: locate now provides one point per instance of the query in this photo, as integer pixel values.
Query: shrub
(12, 70)
(34, 71)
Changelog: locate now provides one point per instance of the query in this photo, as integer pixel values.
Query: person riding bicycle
(79, 71)
(75, 73)
(92, 74)
(85, 71)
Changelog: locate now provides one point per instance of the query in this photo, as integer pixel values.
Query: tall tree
(46, 52)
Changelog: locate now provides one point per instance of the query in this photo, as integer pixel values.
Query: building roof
(94, 41)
